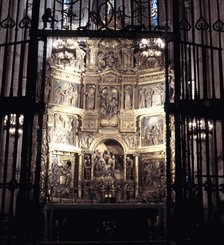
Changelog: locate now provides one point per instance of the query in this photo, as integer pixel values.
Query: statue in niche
(74, 96)
(128, 58)
(128, 97)
(79, 63)
(90, 97)
(142, 94)
(148, 97)
(129, 168)
(66, 176)
(109, 102)
(59, 95)
(87, 167)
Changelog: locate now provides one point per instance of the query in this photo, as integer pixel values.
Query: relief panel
(61, 179)
(153, 181)
(66, 93)
(64, 129)
(152, 130)
(151, 95)
(109, 106)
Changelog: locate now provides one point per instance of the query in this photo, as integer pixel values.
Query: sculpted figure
(128, 97)
(142, 92)
(59, 95)
(90, 97)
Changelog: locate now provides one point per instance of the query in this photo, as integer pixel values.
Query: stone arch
(105, 138)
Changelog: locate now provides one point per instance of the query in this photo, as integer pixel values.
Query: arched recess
(104, 138)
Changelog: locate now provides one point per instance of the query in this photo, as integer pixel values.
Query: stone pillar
(84, 99)
(80, 174)
(122, 97)
(125, 167)
(92, 166)
(136, 175)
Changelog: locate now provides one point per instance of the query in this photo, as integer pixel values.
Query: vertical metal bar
(140, 7)
(40, 126)
(98, 18)
(14, 52)
(149, 15)
(220, 56)
(5, 168)
(4, 66)
(89, 10)
(216, 164)
(14, 161)
(80, 12)
(199, 168)
(33, 54)
(182, 71)
(195, 92)
(189, 78)
(23, 49)
(114, 12)
(123, 14)
(211, 50)
(168, 145)
(178, 165)
(198, 73)
(204, 61)
(132, 13)
(208, 172)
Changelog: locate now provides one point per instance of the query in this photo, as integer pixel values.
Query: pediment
(110, 77)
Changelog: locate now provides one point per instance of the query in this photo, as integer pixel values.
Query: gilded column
(80, 176)
(136, 176)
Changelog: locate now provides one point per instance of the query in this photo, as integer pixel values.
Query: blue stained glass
(154, 12)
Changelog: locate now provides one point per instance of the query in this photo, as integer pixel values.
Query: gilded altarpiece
(104, 124)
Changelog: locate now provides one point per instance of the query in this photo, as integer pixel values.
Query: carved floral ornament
(107, 54)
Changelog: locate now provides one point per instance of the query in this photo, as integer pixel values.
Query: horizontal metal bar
(200, 45)
(210, 108)
(104, 34)
(19, 105)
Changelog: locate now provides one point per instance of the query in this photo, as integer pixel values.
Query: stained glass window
(154, 12)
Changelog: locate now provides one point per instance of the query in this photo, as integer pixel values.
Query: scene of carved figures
(151, 95)
(65, 127)
(131, 139)
(85, 139)
(90, 96)
(153, 180)
(109, 55)
(66, 93)
(152, 130)
(128, 97)
(61, 179)
(87, 167)
(109, 102)
(67, 53)
(109, 59)
(150, 54)
(108, 163)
